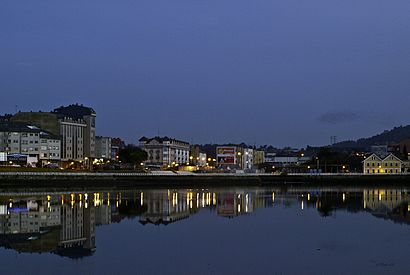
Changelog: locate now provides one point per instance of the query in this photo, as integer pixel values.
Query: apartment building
(26, 139)
(164, 151)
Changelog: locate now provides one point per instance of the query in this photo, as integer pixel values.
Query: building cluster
(65, 137)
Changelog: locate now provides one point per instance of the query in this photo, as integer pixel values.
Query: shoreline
(10, 180)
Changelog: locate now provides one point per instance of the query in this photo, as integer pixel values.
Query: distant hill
(395, 135)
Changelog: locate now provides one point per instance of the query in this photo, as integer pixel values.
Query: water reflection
(65, 223)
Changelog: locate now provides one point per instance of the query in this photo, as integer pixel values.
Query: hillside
(395, 135)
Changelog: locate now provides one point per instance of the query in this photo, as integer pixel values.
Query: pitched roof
(21, 127)
(380, 158)
(18, 127)
(160, 139)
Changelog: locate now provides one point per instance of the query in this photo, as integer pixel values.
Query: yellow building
(258, 157)
(377, 165)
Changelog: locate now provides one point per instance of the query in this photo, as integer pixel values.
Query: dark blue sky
(281, 72)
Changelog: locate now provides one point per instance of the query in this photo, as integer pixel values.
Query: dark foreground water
(207, 231)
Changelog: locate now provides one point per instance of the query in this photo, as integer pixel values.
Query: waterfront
(226, 230)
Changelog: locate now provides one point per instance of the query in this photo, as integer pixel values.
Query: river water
(207, 231)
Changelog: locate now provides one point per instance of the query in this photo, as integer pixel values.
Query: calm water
(207, 231)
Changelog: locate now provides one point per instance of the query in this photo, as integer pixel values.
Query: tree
(132, 154)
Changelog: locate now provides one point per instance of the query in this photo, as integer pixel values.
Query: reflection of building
(103, 215)
(28, 217)
(164, 207)
(163, 151)
(238, 203)
(377, 165)
(78, 230)
(382, 199)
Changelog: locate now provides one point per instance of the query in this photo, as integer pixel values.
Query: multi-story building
(197, 157)
(75, 124)
(258, 157)
(86, 115)
(116, 145)
(247, 159)
(103, 147)
(227, 157)
(164, 151)
(22, 138)
(375, 164)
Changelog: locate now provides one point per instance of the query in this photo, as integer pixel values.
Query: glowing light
(142, 198)
(273, 197)
(308, 196)
(302, 206)
(344, 196)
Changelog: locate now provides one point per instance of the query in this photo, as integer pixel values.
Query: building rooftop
(160, 139)
(18, 127)
(75, 111)
(22, 127)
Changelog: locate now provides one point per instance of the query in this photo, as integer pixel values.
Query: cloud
(338, 117)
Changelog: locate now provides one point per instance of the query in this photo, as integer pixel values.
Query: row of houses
(165, 152)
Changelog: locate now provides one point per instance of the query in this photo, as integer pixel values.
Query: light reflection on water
(57, 224)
